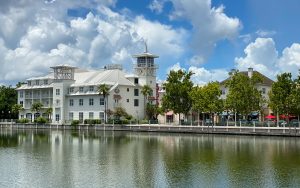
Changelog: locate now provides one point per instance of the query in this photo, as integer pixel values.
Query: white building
(265, 87)
(72, 93)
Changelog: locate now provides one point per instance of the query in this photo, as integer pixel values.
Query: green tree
(212, 102)
(49, 113)
(16, 108)
(207, 98)
(8, 97)
(36, 107)
(103, 90)
(153, 111)
(146, 91)
(294, 97)
(19, 84)
(243, 96)
(198, 100)
(177, 98)
(280, 94)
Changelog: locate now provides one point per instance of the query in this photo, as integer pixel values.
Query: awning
(270, 117)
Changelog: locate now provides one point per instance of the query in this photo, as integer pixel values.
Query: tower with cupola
(145, 68)
(63, 78)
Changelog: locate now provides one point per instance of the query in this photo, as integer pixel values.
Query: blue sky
(208, 37)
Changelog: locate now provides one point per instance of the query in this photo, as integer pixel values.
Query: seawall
(229, 130)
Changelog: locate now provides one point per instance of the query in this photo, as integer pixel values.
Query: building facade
(73, 94)
(265, 87)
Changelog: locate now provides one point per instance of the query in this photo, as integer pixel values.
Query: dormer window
(71, 90)
(46, 82)
(91, 88)
(37, 82)
(80, 89)
(29, 83)
(136, 81)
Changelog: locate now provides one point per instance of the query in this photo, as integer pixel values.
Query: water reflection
(125, 159)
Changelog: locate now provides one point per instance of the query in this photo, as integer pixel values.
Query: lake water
(125, 159)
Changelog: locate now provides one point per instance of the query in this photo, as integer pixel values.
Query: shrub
(40, 120)
(92, 121)
(125, 121)
(75, 123)
(144, 121)
(23, 120)
(128, 117)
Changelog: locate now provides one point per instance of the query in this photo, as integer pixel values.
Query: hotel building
(73, 94)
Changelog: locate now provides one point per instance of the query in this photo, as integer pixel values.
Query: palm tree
(16, 108)
(36, 107)
(103, 90)
(49, 113)
(146, 91)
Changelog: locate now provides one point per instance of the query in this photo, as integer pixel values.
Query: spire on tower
(146, 47)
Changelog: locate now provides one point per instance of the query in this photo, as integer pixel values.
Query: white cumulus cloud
(210, 24)
(263, 56)
(38, 35)
(260, 55)
(202, 75)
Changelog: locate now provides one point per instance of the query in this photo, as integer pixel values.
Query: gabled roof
(109, 77)
(49, 76)
(86, 78)
(266, 81)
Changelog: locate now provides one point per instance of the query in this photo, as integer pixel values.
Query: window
(71, 89)
(91, 88)
(136, 92)
(91, 115)
(101, 116)
(21, 94)
(127, 100)
(223, 91)
(127, 89)
(71, 116)
(80, 102)
(56, 117)
(71, 102)
(80, 89)
(263, 90)
(81, 117)
(136, 80)
(57, 91)
(29, 83)
(141, 61)
(46, 82)
(101, 101)
(57, 102)
(91, 102)
(136, 102)
(37, 82)
(21, 103)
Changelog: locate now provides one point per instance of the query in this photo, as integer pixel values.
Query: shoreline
(225, 130)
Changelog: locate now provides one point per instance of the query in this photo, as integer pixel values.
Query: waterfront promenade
(234, 130)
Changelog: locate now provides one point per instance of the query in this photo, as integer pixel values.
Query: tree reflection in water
(127, 159)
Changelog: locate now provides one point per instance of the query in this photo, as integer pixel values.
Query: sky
(207, 37)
